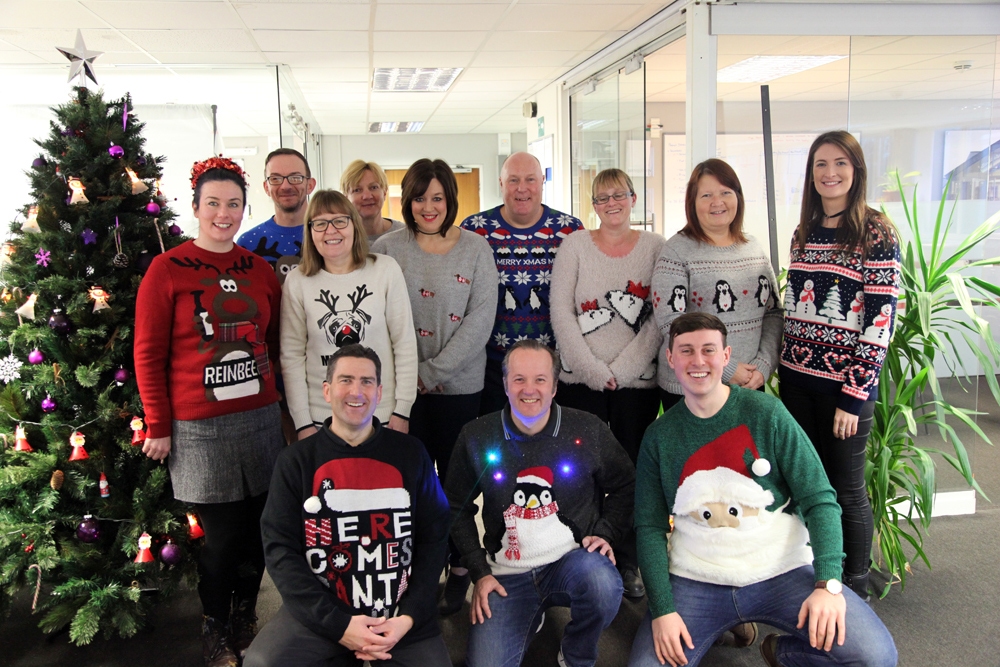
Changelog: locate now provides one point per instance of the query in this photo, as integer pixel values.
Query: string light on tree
(21, 440)
(77, 195)
(138, 187)
(27, 310)
(31, 223)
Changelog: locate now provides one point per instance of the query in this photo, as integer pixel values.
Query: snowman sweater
(602, 313)
(542, 494)
(735, 283)
(840, 311)
(524, 262)
(354, 531)
(206, 335)
(689, 466)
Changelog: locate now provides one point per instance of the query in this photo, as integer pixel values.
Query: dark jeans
(231, 562)
(844, 461)
(494, 395)
(708, 610)
(436, 420)
(628, 412)
(285, 641)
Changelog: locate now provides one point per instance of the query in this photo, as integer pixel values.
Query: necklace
(835, 215)
(420, 231)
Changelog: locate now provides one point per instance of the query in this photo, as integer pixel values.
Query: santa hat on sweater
(356, 485)
(718, 472)
(540, 475)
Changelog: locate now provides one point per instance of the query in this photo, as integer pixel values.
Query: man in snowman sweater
(756, 526)
(557, 492)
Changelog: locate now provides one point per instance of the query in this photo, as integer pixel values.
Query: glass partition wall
(608, 129)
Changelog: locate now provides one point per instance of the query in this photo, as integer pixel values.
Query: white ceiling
(159, 50)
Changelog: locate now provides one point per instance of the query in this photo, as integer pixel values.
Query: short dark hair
(219, 175)
(689, 322)
(287, 151)
(531, 344)
(355, 351)
(415, 183)
(726, 175)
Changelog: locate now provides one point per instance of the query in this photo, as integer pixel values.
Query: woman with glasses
(840, 303)
(712, 266)
(206, 344)
(341, 294)
(451, 280)
(367, 187)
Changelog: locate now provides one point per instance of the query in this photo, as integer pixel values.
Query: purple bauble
(88, 530)
(67, 132)
(59, 322)
(175, 230)
(38, 162)
(140, 161)
(152, 208)
(171, 554)
(122, 375)
(48, 405)
(36, 357)
(116, 151)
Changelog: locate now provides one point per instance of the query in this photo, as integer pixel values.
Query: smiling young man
(524, 235)
(756, 525)
(288, 182)
(557, 492)
(355, 532)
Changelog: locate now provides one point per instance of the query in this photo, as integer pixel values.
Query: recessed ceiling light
(414, 79)
(394, 126)
(761, 69)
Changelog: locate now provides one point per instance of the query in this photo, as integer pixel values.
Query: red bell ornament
(195, 530)
(20, 441)
(138, 434)
(77, 440)
(144, 555)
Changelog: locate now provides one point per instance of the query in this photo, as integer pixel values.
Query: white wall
(400, 151)
(553, 115)
(259, 205)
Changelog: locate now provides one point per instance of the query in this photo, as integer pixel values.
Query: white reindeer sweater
(324, 312)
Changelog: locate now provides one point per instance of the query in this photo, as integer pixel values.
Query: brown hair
(355, 351)
(610, 178)
(531, 344)
(860, 225)
(725, 174)
(356, 171)
(697, 321)
(287, 151)
(415, 183)
(331, 201)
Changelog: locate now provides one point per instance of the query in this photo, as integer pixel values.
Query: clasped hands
(372, 638)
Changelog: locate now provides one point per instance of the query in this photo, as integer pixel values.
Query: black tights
(231, 563)
(844, 461)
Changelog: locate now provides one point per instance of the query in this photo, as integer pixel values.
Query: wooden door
(468, 194)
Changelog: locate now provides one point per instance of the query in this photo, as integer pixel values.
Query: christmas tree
(84, 515)
(831, 306)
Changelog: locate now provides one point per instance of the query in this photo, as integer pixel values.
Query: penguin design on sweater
(724, 300)
(536, 534)
(593, 318)
(510, 302)
(678, 300)
(763, 294)
(535, 300)
(631, 304)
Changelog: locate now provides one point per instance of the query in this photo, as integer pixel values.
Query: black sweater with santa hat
(356, 531)
(542, 494)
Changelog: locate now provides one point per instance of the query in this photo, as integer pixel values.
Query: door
(466, 178)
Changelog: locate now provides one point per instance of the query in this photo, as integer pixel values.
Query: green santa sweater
(748, 494)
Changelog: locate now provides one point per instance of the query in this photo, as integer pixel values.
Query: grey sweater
(735, 283)
(601, 313)
(453, 299)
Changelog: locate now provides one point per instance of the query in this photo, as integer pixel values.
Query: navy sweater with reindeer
(206, 335)
(324, 312)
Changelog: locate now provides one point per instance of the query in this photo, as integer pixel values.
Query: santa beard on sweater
(758, 548)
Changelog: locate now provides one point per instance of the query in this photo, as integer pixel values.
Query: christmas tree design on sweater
(360, 542)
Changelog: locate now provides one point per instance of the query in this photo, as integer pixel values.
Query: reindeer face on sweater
(344, 326)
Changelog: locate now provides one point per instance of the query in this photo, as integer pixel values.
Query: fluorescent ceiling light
(394, 126)
(761, 69)
(414, 79)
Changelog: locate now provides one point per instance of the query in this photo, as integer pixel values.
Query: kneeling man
(557, 492)
(749, 496)
(355, 535)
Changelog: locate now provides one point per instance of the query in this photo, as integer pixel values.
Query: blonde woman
(367, 187)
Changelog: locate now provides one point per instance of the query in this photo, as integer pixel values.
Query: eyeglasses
(338, 223)
(294, 179)
(618, 196)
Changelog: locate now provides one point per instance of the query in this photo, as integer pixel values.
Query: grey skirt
(225, 459)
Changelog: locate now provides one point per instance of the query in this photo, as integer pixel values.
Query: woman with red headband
(206, 350)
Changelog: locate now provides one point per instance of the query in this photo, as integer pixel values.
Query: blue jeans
(586, 582)
(709, 610)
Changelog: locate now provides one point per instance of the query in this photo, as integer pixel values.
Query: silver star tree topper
(81, 60)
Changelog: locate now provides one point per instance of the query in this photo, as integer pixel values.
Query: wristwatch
(831, 586)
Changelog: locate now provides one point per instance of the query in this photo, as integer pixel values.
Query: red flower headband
(199, 168)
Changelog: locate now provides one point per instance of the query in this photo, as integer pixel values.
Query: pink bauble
(36, 357)
(116, 151)
(152, 208)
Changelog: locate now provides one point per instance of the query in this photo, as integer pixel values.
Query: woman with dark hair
(341, 294)
(451, 280)
(206, 341)
(840, 310)
(713, 266)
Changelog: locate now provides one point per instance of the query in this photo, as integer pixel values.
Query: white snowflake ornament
(10, 368)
